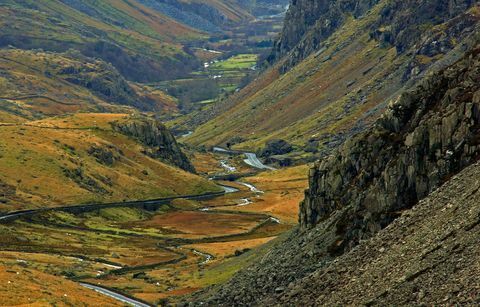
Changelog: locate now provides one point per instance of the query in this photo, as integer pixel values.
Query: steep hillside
(216, 15)
(91, 158)
(344, 77)
(210, 16)
(429, 255)
(426, 136)
(400, 24)
(141, 43)
(325, 17)
(423, 140)
(37, 83)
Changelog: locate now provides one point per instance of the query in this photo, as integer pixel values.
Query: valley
(106, 198)
(156, 251)
(239, 153)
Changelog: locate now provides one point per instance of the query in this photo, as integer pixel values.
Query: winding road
(251, 187)
(115, 295)
(11, 216)
(250, 158)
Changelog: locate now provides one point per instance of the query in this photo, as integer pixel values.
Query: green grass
(232, 71)
(238, 62)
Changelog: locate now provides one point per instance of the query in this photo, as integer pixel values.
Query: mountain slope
(216, 15)
(141, 43)
(424, 139)
(88, 158)
(429, 255)
(345, 81)
(211, 16)
(37, 83)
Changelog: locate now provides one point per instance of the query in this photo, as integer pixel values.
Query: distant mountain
(141, 43)
(214, 15)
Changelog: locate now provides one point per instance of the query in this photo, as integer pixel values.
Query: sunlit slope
(336, 91)
(82, 158)
(129, 35)
(27, 287)
(36, 83)
(326, 93)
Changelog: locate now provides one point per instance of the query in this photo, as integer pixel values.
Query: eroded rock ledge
(158, 140)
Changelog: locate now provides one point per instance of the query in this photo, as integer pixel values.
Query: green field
(212, 82)
(235, 63)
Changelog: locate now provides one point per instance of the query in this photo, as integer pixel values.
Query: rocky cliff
(402, 24)
(104, 80)
(320, 16)
(158, 140)
(428, 256)
(424, 139)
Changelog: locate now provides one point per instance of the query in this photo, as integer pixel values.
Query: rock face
(423, 139)
(158, 140)
(319, 17)
(428, 256)
(106, 155)
(400, 23)
(276, 147)
(104, 80)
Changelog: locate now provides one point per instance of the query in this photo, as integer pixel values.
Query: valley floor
(160, 253)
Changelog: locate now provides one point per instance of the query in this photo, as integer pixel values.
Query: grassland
(57, 152)
(27, 287)
(160, 254)
(241, 61)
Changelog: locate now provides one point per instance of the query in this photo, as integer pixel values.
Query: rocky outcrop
(424, 138)
(276, 147)
(402, 24)
(321, 18)
(158, 140)
(105, 81)
(106, 154)
(85, 181)
(428, 256)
